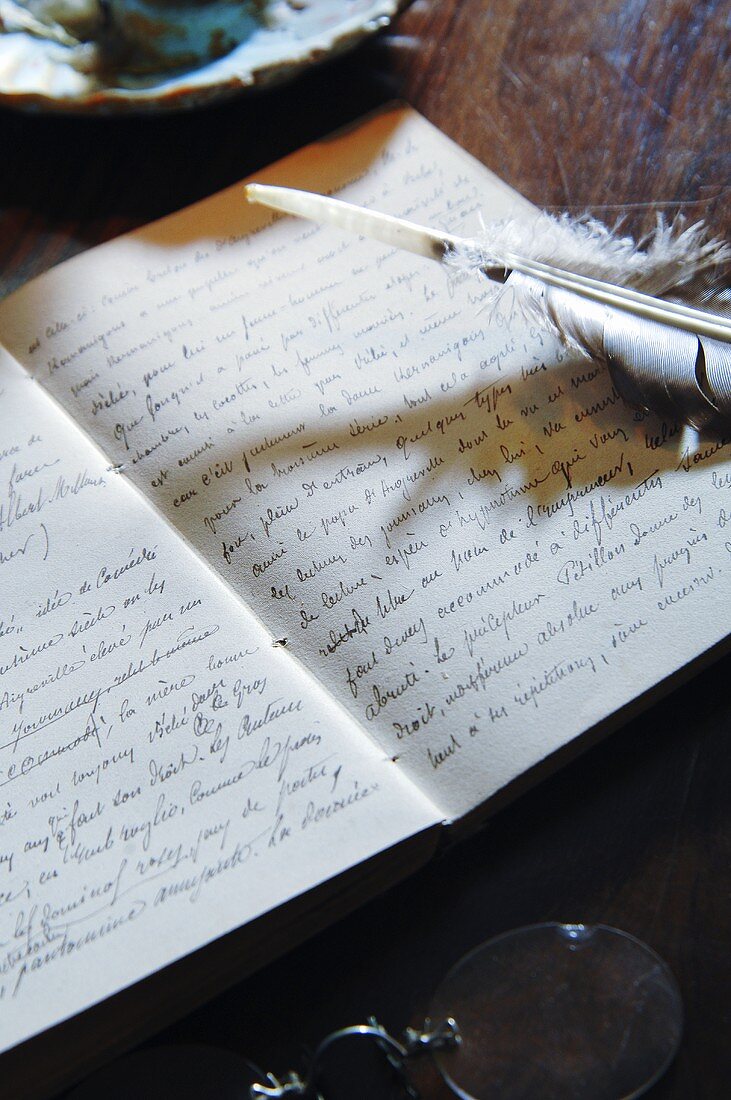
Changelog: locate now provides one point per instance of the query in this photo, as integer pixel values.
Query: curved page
(459, 527)
(167, 771)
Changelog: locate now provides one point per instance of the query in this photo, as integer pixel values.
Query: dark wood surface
(612, 106)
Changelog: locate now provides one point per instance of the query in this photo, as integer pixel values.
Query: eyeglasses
(547, 1012)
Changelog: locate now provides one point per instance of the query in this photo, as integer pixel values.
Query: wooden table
(617, 108)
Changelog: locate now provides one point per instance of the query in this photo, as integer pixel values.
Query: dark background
(620, 108)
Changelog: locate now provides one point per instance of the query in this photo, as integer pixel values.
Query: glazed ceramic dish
(172, 55)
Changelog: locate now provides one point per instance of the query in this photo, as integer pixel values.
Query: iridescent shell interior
(127, 55)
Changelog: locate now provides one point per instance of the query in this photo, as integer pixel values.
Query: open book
(308, 551)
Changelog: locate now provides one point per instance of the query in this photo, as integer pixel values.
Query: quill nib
(354, 219)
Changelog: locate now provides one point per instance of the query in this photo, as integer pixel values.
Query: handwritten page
(166, 774)
(460, 529)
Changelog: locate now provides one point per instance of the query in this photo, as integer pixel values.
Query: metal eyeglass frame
(414, 1042)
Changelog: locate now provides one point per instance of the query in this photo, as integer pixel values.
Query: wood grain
(619, 107)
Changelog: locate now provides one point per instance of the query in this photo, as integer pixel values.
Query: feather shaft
(642, 305)
(629, 294)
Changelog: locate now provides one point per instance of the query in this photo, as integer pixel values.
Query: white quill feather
(663, 355)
